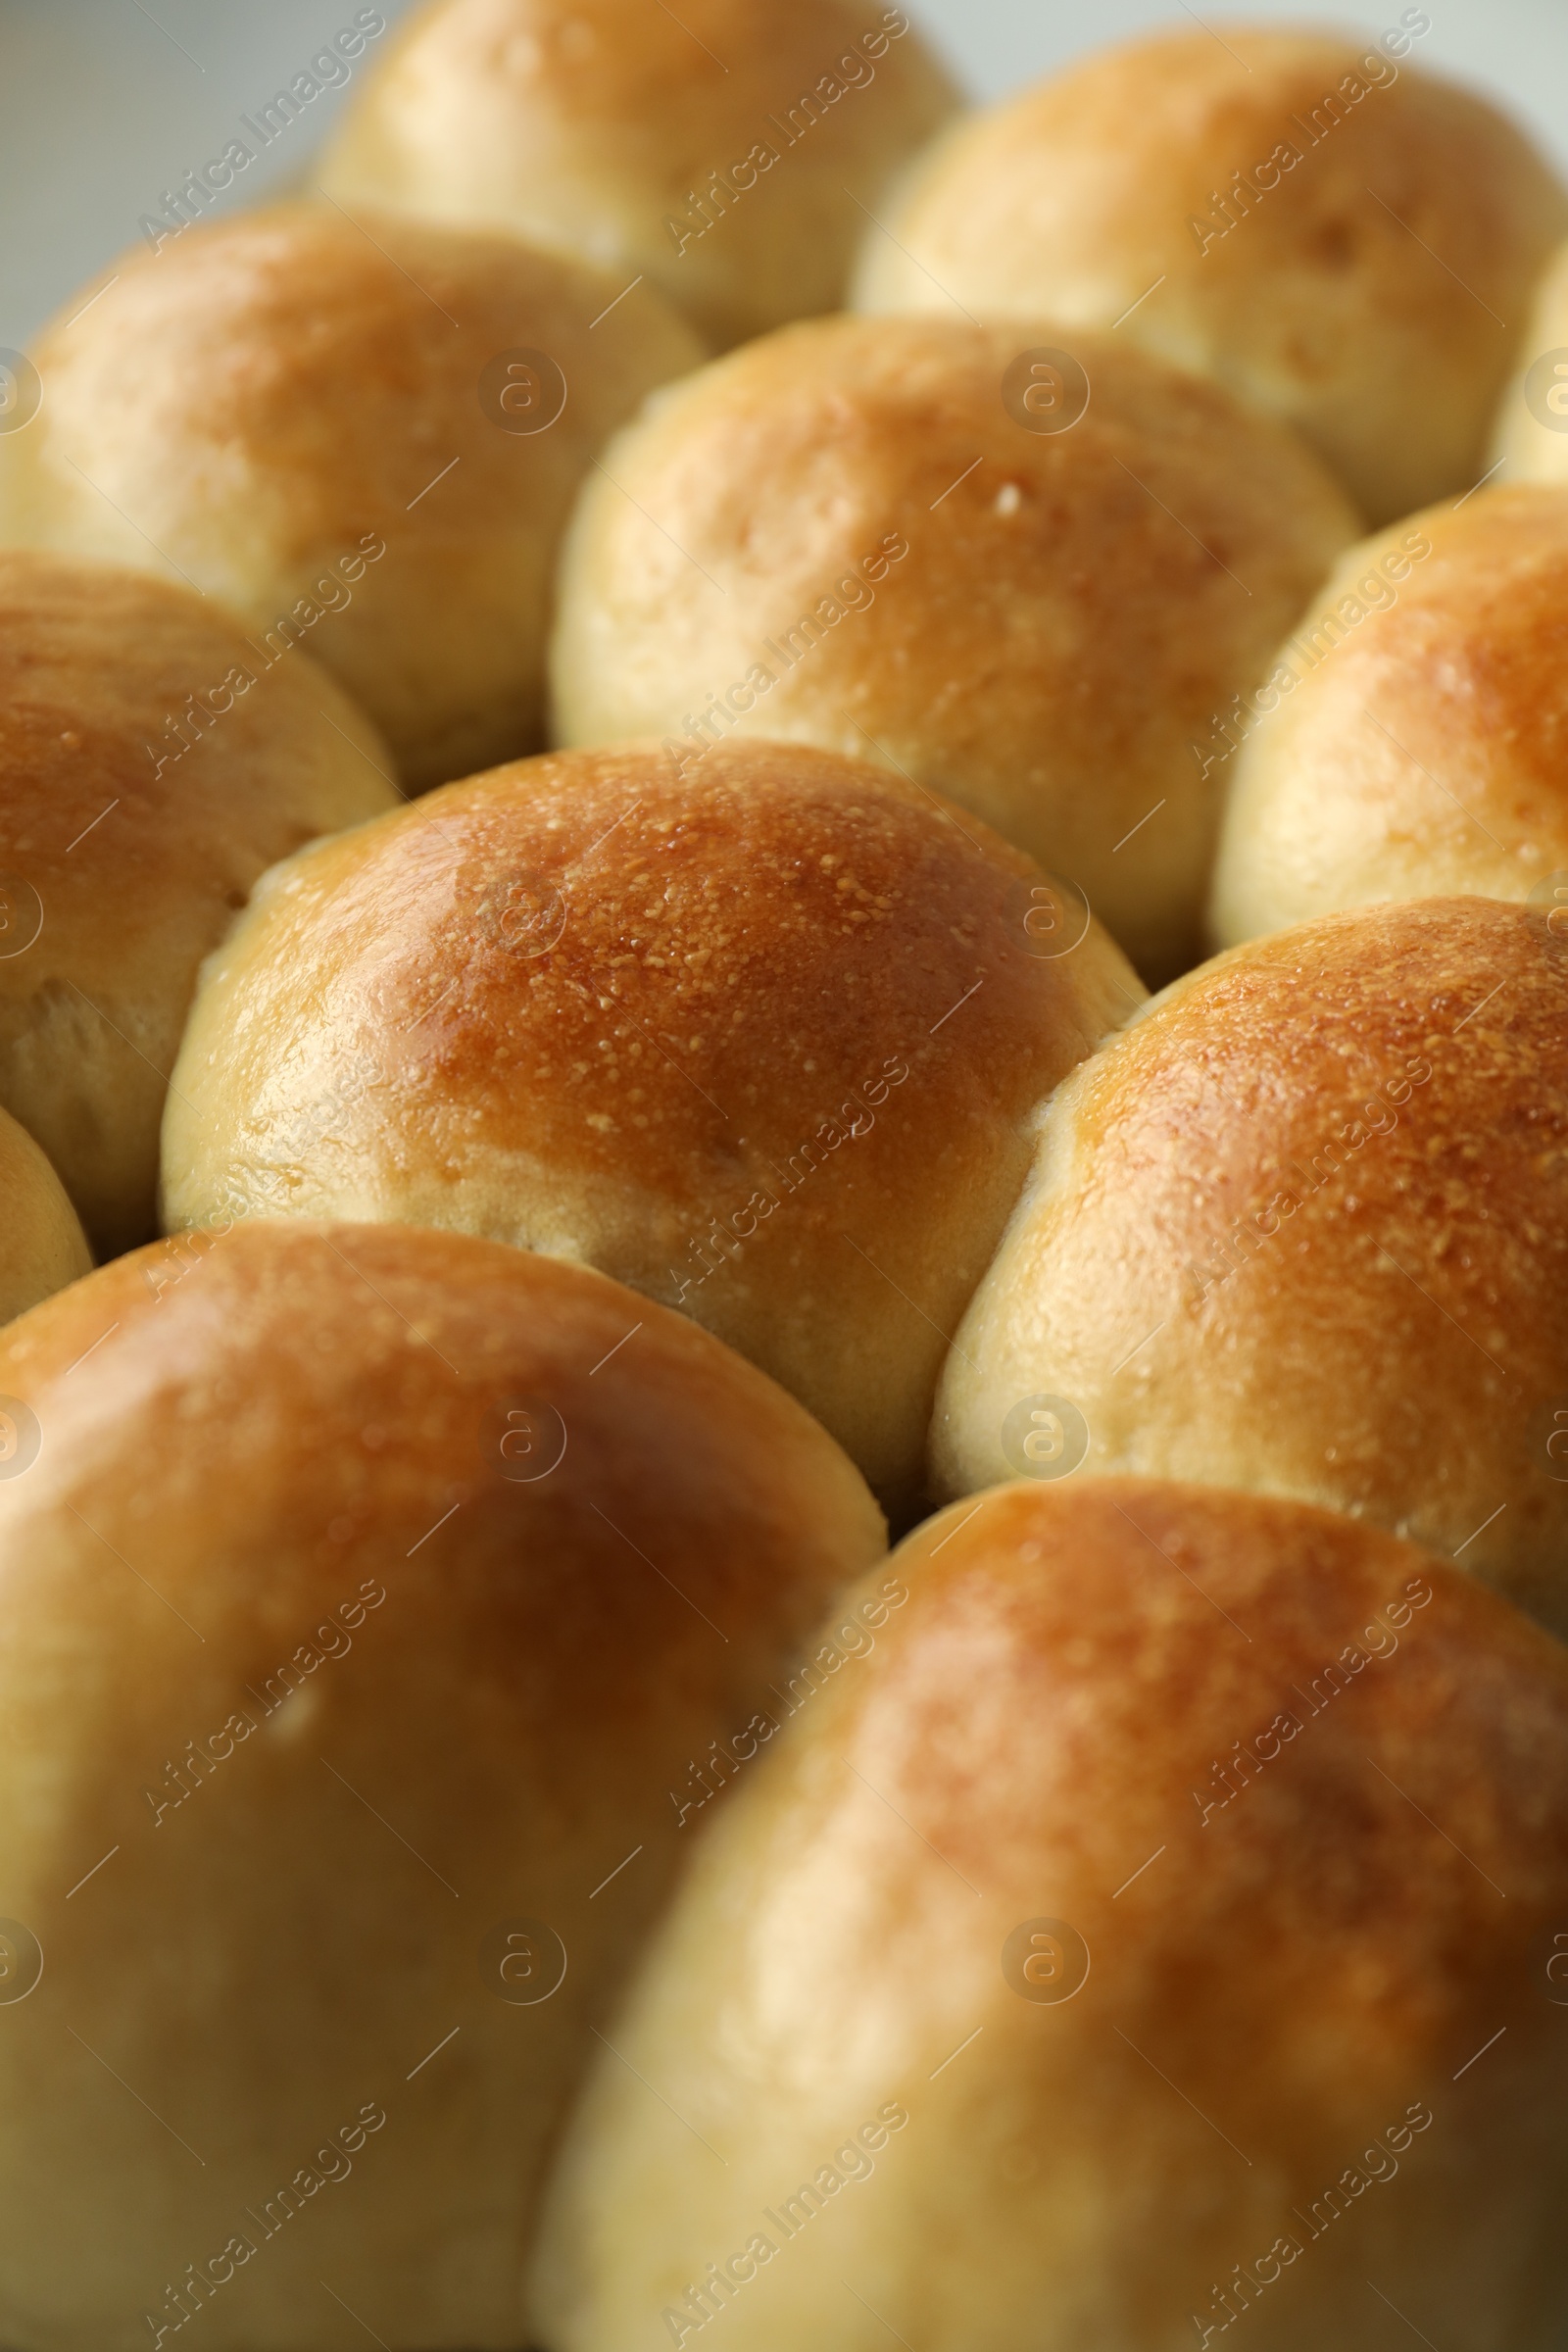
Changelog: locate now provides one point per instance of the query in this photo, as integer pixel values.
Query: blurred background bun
(871, 534)
(367, 1596)
(1342, 240)
(363, 435)
(1148, 1936)
(43, 1247)
(762, 1043)
(1532, 437)
(1411, 740)
(724, 150)
(1303, 1230)
(153, 761)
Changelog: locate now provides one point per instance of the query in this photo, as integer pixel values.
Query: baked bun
(366, 1596)
(43, 1245)
(852, 534)
(1411, 740)
(1303, 1230)
(726, 150)
(1342, 239)
(342, 428)
(762, 1043)
(1531, 435)
(1176, 1874)
(152, 763)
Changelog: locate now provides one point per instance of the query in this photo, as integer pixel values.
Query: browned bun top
(42, 1246)
(152, 765)
(1303, 1229)
(1151, 1922)
(1316, 222)
(762, 1042)
(1413, 738)
(853, 534)
(315, 418)
(726, 148)
(365, 1594)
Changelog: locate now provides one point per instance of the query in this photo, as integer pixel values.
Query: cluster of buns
(605, 722)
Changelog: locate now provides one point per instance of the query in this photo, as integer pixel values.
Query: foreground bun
(763, 1044)
(1336, 236)
(726, 150)
(1413, 738)
(153, 761)
(363, 437)
(1303, 1229)
(855, 534)
(365, 1593)
(43, 1246)
(1152, 1932)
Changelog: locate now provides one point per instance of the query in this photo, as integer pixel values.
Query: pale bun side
(315, 420)
(852, 534)
(1530, 442)
(727, 150)
(367, 1594)
(44, 1246)
(1303, 1230)
(1411, 739)
(1342, 238)
(153, 763)
(1147, 1933)
(762, 1043)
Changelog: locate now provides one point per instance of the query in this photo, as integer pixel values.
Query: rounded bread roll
(329, 424)
(1342, 239)
(1411, 740)
(850, 534)
(763, 1044)
(44, 1246)
(152, 765)
(1152, 1933)
(365, 1594)
(727, 151)
(1302, 1229)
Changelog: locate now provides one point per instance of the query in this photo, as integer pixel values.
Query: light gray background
(105, 103)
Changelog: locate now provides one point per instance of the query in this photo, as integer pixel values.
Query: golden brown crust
(1299, 1794)
(763, 1044)
(1067, 612)
(335, 1698)
(1303, 1230)
(1371, 290)
(1420, 747)
(44, 1246)
(287, 409)
(152, 765)
(596, 125)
